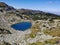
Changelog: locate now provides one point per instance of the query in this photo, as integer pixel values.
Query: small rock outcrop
(4, 31)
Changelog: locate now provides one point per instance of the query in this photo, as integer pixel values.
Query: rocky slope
(42, 32)
(5, 6)
(37, 15)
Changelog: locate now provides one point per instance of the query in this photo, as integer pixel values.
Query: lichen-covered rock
(4, 43)
(4, 31)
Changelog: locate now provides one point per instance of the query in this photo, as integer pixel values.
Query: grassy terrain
(49, 41)
(34, 29)
(53, 41)
(53, 32)
(37, 43)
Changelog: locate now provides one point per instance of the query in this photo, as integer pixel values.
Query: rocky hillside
(38, 15)
(6, 7)
(44, 30)
(28, 14)
(8, 16)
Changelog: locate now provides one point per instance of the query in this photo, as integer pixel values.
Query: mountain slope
(27, 13)
(36, 14)
(42, 31)
(6, 7)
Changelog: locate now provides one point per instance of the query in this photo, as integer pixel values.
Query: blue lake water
(22, 26)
